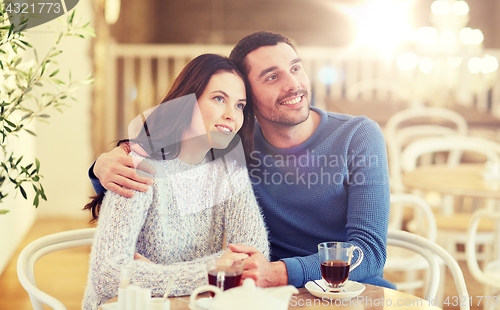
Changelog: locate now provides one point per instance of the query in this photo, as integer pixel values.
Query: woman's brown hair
(171, 117)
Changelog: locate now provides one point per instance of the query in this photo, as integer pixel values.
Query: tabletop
(460, 180)
(372, 298)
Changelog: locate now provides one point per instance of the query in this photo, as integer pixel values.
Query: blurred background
(370, 57)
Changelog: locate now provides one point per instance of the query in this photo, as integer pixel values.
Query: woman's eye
(219, 98)
(241, 106)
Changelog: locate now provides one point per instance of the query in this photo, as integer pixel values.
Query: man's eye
(272, 77)
(296, 68)
(219, 98)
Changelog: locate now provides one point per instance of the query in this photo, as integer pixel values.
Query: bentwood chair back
(431, 252)
(41, 247)
(489, 276)
(414, 123)
(490, 148)
(403, 261)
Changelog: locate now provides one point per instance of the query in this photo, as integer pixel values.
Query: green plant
(29, 89)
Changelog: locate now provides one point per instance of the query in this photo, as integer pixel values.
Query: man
(317, 176)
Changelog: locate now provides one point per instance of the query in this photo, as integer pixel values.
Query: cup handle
(221, 277)
(359, 260)
(202, 289)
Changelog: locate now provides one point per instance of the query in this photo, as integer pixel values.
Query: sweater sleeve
(120, 222)
(367, 209)
(369, 200)
(96, 184)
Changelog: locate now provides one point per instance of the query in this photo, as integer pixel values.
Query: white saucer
(351, 289)
(203, 303)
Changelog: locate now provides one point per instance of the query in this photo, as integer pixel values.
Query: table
(372, 298)
(461, 180)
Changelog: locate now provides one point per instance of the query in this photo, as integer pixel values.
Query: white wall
(63, 145)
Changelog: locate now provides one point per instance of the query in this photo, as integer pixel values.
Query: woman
(201, 196)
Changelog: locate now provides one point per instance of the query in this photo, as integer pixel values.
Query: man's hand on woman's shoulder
(118, 172)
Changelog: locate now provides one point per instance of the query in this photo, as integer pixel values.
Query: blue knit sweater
(333, 187)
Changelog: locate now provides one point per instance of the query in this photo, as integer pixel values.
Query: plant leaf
(42, 193)
(23, 192)
(3, 211)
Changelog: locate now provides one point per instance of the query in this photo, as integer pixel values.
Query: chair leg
(442, 284)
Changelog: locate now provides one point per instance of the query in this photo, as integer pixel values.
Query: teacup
(224, 273)
(335, 259)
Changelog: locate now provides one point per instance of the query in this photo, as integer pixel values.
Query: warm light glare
(428, 35)
(381, 23)
(460, 8)
(476, 37)
(447, 37)
(328, 75)
(407, 62)
(426, 65)
(132, 93)
(471, 36)
(441, 7)
(474, 64)
(489, 64)
(454, 62)
(465, 35)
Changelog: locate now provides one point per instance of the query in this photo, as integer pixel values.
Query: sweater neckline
(308, 144)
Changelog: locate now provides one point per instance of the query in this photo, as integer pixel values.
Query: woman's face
(219, 112)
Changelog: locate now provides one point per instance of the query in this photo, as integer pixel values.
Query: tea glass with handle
(224, 273)
(336, 263)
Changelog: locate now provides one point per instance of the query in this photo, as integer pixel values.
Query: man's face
(281, 91)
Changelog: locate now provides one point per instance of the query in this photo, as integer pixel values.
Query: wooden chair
(430, 250)
(41, 247)
(400, 260)
(414, 123)
(489, 276)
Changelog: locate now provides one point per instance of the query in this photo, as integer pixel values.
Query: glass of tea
(335, 259)
(224, 273)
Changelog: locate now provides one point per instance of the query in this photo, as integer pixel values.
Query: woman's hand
(234, 255)
(138, 256)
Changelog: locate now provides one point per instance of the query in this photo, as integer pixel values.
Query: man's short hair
(252, 42)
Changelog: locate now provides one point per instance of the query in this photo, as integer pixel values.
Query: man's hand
(257, 267)
(116, 169)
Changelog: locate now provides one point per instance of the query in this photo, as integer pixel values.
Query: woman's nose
(229, 114)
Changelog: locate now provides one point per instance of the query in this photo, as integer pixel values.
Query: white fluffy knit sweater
(178, 224)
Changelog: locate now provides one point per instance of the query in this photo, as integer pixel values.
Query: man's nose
(291, 83)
